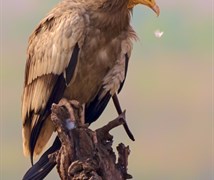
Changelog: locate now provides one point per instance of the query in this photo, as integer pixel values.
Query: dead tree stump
(87, 154)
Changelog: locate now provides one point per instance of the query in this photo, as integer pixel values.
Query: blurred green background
(167, 94)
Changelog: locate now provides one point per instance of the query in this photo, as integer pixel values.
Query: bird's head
(150, 3)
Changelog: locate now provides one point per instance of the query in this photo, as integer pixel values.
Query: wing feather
(53, 50)
(126, 69)
(50, 49)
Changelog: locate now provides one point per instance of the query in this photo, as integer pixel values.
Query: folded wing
(52, 60)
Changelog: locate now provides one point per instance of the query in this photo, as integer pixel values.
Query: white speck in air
(158, 33)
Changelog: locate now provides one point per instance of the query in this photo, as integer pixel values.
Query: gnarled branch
(87, 154)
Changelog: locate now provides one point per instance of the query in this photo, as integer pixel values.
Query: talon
(81, 113)
(75, 103)
(66, 103)
(75, 110)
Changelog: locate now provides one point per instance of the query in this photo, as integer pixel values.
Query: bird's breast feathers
(100, 64)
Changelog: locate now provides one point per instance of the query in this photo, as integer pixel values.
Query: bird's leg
(74, 108)
(82, 115)
(66, 103)
(119, 111)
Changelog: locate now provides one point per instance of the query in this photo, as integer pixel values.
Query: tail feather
(42, 168)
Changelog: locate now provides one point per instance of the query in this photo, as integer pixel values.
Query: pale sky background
(167, 94)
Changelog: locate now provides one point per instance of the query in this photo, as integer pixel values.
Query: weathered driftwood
(87, 154)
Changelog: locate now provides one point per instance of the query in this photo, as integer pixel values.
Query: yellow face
(150, 3)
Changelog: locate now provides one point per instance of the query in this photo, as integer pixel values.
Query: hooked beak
(151, 4)
(156, 9)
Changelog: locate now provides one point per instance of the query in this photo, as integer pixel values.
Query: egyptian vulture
(80, 51)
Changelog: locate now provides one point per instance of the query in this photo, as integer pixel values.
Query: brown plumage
(79, 51)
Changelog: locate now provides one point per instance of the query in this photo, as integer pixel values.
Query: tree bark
(87, 154)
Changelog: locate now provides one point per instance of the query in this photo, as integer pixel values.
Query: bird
(79, 51)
